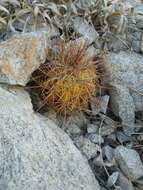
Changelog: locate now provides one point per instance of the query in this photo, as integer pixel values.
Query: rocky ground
(96, 149)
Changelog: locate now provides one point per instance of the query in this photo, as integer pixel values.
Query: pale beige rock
(21, 55)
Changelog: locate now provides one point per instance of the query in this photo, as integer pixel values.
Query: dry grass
(25, 15)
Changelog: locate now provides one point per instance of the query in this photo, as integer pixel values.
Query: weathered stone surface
(92, 128)
(108, 153)
(122, 104)
(141, 43)
(132, 3)
(73, 129)
(89, 149)
(34, 153)
(124, 183)
(139, 21)
(126, 76)
(85, 4)
(21, 55)
(75, 123)
(112, 179)
(87, 30)
(95, 138)
(129, 162)
(102, 105)
(138, 9)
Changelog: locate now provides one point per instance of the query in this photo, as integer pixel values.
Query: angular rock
(98, 161)
(133, 3)
(78, 141)
(21, 55)
(122, 104)
(85, 4)
(116, 43)
(92, 128)
(129, 162)
(87, 30)
(95, 138)
(76, 122)
(102, 188)
(108, 152)
(139, 21)
(73, 130)
(34, 153)
(141, 43)
(124, 183)
(112, 179)
(120, 63)
(126, 76)
(109, 126)
(138, 9)
(89, 149)
(122, 137)
(134, 38)
(103, 105)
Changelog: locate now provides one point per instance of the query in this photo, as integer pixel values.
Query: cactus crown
(69, 80)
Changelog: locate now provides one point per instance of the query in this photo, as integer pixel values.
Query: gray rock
(92, 51)
(124, 183)
(139, 23)
(129, 162)
(103, 105)
(122, 137)
(134, 39)
(120, 63)
(78, 141)
(36, 154)
(98, 161)
(122, 104)
(92, 128)
(74, 120)
(141, 43)
(73, 129)
(87, 30)
(88, 149)
(126, 76)
(133, 3)
(20, 56)
(130, 41)
(102, 188)
(112, 179)
(116, 42)
(107, 130)
(85, 4)
(140, 137)
(108, 151)
(52, 115)
(138, 9)
(95, 138)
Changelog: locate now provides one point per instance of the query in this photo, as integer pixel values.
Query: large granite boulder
(35, 154)
(126, 78)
